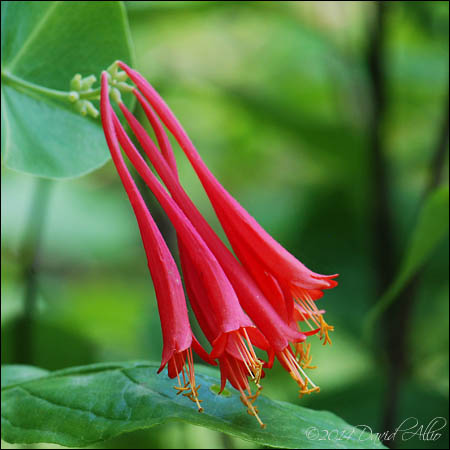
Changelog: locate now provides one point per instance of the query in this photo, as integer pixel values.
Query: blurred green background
(329, 122)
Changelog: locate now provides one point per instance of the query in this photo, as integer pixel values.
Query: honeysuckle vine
(260, 297)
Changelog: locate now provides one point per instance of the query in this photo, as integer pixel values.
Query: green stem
(9, 78)
(92, 94)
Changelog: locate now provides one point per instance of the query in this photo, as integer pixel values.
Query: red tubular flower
(232, 323)
(251, 298)
(262, 313)
(236, 361)
(275, 269)
(275, 289)
(177, 335)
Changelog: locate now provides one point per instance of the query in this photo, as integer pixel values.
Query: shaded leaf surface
(44, 44)
(83, 405)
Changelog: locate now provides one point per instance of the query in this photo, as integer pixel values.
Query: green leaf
(84, 405)
(431, 228)
(14, 374)
(44, 44)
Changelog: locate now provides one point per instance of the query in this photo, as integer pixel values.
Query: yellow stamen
(189, 389)
(324, 329)
(252, 363)
(302, 392)
(305, 301)
(303, 355)
(305, 319)
(297, 373)
(309, 308)
(247, 400)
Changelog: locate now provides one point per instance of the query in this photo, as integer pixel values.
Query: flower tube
(178, 339)
(298, 283)
(276, 331)
(232, 322)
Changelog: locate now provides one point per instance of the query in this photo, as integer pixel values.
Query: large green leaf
(431, 227)
(43, 45)
(83, 405)
(20, 373)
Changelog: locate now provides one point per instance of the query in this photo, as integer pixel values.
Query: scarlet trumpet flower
(233, 327)
(282, 277)
(276, 291)
(235, 364)
(249, 295)
(177, 334)
(277, 332)
(252, 299)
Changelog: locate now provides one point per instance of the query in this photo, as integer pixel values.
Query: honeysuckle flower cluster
(260, 297)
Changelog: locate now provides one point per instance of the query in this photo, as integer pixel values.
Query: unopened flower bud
(115, 95)
(80, 107)
(112, 69)
(121, 76)
(92, 110)
(87, 82)
(124, 87)
(73, 96)
(75, 83)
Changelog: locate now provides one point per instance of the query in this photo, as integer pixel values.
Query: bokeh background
(329, 122)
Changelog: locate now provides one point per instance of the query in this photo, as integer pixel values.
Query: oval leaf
(84, 405)
(44, 44)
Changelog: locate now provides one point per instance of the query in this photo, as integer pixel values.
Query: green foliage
(84, 405)
(277, 98)
(431, 228)
(44, 44)
(15, 374)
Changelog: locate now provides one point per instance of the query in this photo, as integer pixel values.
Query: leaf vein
(33, 35)
(7, 126)
(40, 430)
(72, 408)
